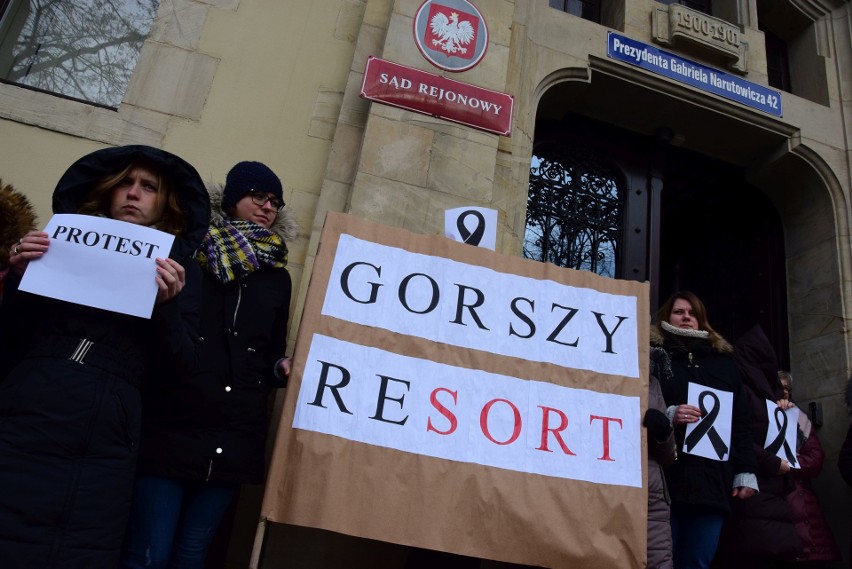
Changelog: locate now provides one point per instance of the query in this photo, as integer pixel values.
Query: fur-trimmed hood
(16, 219)
(717, 342)
(75, 184)
(285, 225)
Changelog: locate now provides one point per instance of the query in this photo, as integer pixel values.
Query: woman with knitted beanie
(204, 433)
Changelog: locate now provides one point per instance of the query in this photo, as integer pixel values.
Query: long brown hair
(698, 309)
(100, 197)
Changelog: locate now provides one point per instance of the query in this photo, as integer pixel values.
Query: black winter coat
(692, 479)
(211, 424)
(69, 429)
(766, 518)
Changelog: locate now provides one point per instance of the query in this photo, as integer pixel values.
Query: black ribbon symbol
(773, 447)
(472, 238)
(705, 427)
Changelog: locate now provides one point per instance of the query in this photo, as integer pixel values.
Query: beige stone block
(179, 23)
(498, 16)
(349, 20)
(171, 80)
(463, 168)
(370, 42)
(817, 359)
(325, 115)
(342, 160)
(378, 13)
(397, 151)
(490, 72)
(390, 202)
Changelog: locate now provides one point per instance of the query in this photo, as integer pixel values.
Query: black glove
(657, 424)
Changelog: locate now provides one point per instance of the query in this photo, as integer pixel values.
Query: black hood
(73, 188)
(756, 359)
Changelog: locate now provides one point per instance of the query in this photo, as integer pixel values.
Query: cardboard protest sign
(99, 262)
(452, 398)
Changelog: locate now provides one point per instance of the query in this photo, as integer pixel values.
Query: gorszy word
(476, 307)
(377, 397)
(439, 93)
(105, 241)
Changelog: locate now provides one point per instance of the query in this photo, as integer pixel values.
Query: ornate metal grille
(574, 209)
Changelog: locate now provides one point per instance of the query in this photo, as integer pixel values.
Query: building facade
(719, 130)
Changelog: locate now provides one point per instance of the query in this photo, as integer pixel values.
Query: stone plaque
(676, 25)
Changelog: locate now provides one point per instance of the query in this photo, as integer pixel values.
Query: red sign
(451, 34)
(400, 86)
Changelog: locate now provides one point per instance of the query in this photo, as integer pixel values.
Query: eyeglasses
(260, 198)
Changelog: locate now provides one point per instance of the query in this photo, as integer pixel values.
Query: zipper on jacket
(691, 363)
(237, 307)
(209, 470)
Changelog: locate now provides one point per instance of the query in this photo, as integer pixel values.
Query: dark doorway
(690, 222)
(722, 239)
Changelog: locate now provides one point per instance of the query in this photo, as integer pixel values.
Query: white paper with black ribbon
(472, 225)
(781, 432)
(710, 437)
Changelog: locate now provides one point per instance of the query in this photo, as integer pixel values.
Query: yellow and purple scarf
(236, 248)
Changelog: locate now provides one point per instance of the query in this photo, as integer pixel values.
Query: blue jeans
(695, 535)
(172, 523)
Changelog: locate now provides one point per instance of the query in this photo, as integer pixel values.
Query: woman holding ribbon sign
(703, 378)
(204, 432)
(767, 519)
(70, 406)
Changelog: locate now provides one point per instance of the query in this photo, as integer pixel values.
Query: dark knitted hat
(250, 176)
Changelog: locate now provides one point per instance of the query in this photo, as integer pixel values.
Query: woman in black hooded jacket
(70, 406)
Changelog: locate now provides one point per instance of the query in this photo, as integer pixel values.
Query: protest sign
(453, 398)
(99, 262)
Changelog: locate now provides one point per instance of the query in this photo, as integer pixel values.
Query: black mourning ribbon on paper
(773, 447)
(472, 238)
(705, 427)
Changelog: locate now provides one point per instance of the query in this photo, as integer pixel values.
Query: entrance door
(722, 239)
(685, 221)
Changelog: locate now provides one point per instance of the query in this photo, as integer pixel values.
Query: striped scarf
(236, 248)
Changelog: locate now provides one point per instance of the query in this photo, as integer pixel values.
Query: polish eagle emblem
(451, 34)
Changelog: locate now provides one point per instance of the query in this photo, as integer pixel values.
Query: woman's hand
(284, 366)
(784, 467)
(686, 414)
(171, 278)
(785, 404)
(29, 247)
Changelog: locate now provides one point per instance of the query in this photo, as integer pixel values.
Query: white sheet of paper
(712, 437)
(472, 225)
(789, 420)
(99, 262)
(423, 407)
(431, 295)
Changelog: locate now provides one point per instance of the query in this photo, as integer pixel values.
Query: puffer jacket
(211, 423)
(693, 479)
(661, 454)
(69, 429)
(765, 518)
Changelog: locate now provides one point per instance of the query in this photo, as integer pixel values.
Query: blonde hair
(99, 198)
